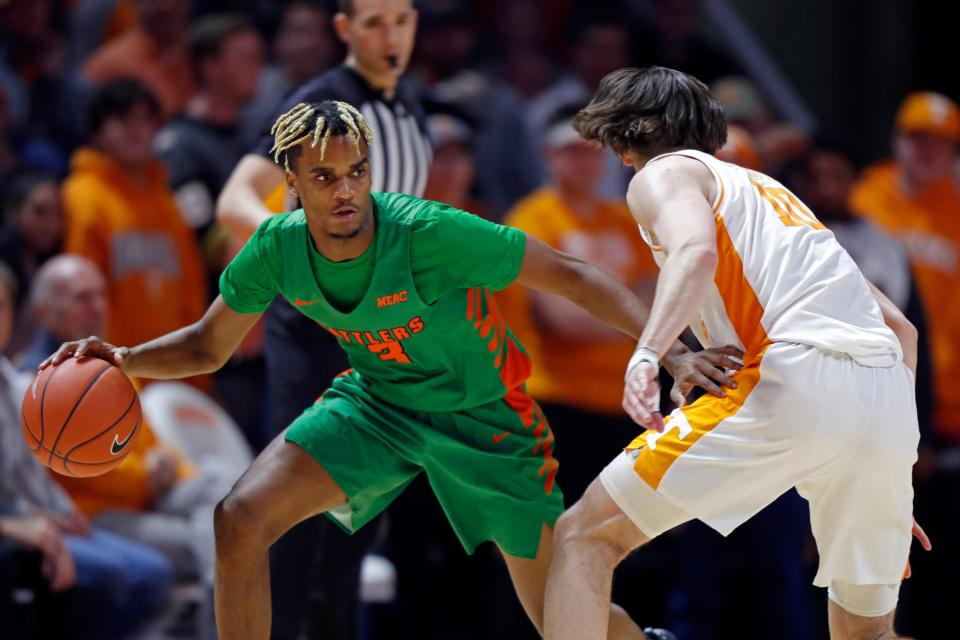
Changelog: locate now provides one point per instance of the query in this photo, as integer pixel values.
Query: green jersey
(414, 313)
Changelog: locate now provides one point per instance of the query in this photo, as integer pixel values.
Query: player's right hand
(92, 347)
(641, 396)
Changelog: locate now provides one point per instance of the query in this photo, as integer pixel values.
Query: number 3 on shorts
(391, 350)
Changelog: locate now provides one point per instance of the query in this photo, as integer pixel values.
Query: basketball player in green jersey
(437, 380)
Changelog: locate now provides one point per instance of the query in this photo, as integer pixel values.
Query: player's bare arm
(240, 205)
(904, 330)
(202, 347)
(671, 199)
(551, 271)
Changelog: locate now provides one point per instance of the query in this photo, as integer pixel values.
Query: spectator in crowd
(32, 554)
(599, 47)
(579, 385)
(32, 233)
(35, 79)
(304, 46)
(915, 197)
(156, 51)
(301, 356)
(154, 496)
(132, 579)
(121, 214)
(504, 156)
(452, 171)
(95, 22)
(202, 145)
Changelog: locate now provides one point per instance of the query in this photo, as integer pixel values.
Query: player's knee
(236, 522)
(578, 527)
(865, 600)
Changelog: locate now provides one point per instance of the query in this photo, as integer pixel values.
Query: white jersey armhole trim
(693, 155)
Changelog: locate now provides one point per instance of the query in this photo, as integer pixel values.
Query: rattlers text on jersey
(823, 402)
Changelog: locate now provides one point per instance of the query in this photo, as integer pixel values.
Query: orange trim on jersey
(739, 299)
(745, 312)
(531, 414)
(659, 452)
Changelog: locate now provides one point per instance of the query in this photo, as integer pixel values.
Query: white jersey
(782, 276)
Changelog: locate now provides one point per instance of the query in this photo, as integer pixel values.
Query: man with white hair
(69, 299)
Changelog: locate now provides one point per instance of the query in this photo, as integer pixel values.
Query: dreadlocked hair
(316, 122)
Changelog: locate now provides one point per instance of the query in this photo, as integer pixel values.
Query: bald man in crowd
(69, 300)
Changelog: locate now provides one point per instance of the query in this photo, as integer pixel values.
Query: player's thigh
(284, 485)
(861, 511)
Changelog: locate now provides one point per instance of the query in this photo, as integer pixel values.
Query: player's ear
(291, 179)
(341, 24)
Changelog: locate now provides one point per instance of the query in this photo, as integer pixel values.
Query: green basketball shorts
(491, 467)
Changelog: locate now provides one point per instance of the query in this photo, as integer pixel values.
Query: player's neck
(386, 83)
(340, 249)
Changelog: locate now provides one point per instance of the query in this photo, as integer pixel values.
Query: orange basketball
(81, 416)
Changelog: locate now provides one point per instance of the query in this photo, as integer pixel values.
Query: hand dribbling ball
(80, 417)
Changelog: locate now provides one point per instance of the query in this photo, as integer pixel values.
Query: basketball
(80, 417)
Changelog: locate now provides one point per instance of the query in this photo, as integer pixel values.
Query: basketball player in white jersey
(824, 401)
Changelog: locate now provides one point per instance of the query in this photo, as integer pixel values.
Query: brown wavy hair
(651, 110)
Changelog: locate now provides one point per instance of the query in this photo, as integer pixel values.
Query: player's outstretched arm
(551, 271)
(240, 204)
(202, 347)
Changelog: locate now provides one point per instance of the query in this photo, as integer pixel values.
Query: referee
(302, 357)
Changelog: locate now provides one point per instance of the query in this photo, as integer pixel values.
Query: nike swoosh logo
(304, 303)
(117, 447)
(501, 437)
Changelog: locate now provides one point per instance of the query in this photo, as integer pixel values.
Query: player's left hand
(920, 535)
(641, 396)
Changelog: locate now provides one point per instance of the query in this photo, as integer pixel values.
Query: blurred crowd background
(120, 123)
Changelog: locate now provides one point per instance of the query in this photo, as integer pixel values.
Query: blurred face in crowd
(923, 157)
(379, 35)
(602, 49)
(303, 44)
(6, 313)
(76, 304)
(236, 70)
(128, 137)
(39, 219)
(451, 173)
(165, 21)
(334, 189)
(576, 167)
(825, 182)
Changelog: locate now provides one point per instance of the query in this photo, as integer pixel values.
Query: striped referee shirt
(401, 153)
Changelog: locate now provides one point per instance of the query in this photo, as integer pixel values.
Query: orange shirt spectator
(916, 198)
(587, 372)
(121, 214)
(156, 52)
